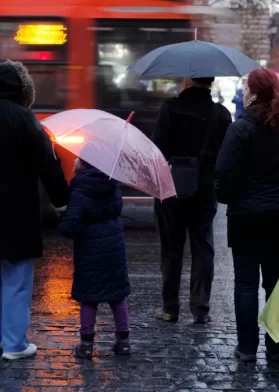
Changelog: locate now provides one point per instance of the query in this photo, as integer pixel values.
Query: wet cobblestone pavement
(179, 357)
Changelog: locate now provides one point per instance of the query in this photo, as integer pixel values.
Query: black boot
(122, 343)
(245, 356)
(84, 349)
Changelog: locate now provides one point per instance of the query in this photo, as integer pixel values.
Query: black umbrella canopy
(194, 59)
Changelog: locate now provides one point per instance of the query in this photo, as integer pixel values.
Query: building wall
(274, 58)
(255, 33)
(246, 30)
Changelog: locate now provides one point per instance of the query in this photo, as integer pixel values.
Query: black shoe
(84, 349)
(272, 356)
(164, 316)
(121, 346)
(244, 357)
(202, 320)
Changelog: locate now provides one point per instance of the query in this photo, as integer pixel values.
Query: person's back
(21, 167)
(183, 124)
(248, 182)
(257, 187)
(26, 157)
(93, 220)
(189, 132)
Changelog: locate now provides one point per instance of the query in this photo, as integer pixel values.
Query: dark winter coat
(93, 219)
(248, 179)
(183, 124)
(26, 156)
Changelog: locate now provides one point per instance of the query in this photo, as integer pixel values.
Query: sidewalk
(179, 357)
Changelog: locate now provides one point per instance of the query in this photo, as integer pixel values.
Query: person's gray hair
(28, 93)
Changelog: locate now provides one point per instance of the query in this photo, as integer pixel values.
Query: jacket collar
(92, 172)
(255, 114)
(201, 93)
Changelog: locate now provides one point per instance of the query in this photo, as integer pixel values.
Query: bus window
(41, 45)
(50, 81)
(119, 44)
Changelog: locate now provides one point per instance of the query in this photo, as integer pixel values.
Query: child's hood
(101, 197)
(93, 183)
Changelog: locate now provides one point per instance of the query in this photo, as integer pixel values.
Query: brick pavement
(179, 357)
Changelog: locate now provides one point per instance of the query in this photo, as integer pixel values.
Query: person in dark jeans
(248, 181)
(181, 131)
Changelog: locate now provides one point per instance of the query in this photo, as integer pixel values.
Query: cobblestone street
(179, 357)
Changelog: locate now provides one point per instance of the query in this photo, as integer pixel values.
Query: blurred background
(78, 51)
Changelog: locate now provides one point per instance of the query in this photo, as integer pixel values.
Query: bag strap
(212, 125)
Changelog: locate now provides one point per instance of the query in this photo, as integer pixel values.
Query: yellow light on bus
(41, 34)
(70, 139)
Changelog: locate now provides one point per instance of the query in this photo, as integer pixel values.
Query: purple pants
(88, 314)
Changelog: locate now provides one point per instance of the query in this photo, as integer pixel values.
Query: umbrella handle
(130, 117)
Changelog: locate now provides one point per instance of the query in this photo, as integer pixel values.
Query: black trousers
(254, 242)
(174, 217)
(247, 265)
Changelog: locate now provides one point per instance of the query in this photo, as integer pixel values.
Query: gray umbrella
(194, 59)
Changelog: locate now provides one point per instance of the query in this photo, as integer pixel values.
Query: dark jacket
(26, 156)
(93, 219)
(183, 123)
(248, 167)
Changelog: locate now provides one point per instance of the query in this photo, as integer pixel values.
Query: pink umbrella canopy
(115, 147)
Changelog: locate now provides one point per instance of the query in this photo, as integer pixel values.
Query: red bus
(78, 53)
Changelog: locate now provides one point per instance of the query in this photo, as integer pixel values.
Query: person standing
(238, 101)
(26, 156)
(93, 220)
(248, 182)
(189, 132)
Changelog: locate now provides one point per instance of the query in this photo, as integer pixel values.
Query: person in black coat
(187, 125)
(26, 156)
(93, 220)
(248, 182)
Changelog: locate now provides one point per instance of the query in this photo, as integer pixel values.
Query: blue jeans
(15, 306)
(247, 264)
